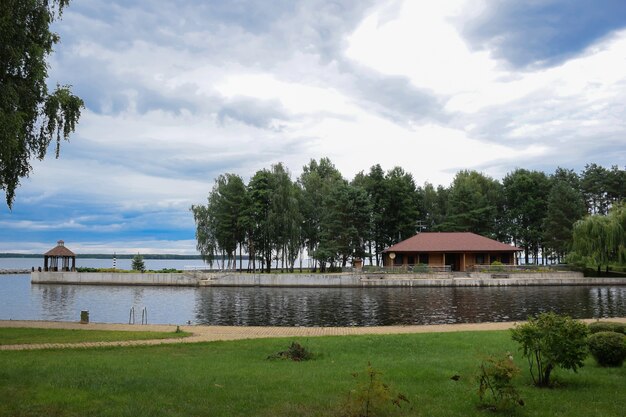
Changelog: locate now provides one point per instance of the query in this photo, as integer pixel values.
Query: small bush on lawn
(372, 397)
(295, 352)
(608, 348)
(549, 341)
(607, 326)
(495, 389)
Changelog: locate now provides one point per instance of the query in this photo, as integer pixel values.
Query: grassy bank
(17, 336)
(236, 379)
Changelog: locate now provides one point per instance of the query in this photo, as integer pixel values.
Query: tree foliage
(330, 220)
(602, 239)
(345, 224)
(602, 187)
(137, 263)
(526, 205)
(31, 117)
(221, 223)
(565, 207)
(316, 182)
(475, 204)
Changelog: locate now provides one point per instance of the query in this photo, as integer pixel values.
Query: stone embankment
(14, 271)
(114, 278)
(359, 280)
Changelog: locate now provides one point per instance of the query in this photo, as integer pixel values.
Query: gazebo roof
(450, 242)
(60, 250)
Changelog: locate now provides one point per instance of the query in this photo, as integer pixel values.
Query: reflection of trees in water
(386, 306)
(57, 300)
(607, 301)
(137, 295)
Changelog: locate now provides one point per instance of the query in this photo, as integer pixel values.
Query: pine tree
(138, 264)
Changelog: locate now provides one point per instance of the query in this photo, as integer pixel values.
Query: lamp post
(392, 256)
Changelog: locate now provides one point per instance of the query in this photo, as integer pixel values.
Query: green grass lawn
(236, 379)
(15, 336)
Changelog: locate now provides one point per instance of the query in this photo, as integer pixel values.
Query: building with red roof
(458, 250)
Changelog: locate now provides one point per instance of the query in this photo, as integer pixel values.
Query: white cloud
(298, 98)
(530, 113)
(423, 44)
(170, 109)
(39, 225)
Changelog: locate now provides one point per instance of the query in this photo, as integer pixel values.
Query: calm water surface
(153, 264)
(19, 300)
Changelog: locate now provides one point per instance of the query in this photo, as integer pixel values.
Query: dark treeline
(276, 220)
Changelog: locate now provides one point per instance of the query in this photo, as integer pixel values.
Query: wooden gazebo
(59, 255)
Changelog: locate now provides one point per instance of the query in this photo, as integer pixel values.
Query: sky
(178, 92)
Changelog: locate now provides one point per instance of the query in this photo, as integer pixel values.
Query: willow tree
(220, 225)
(206, 243)
(30, 116)
(602, 239)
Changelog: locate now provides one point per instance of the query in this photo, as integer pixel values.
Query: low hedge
(607, 326)
(608, 348)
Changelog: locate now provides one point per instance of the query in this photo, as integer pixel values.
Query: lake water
(152, 264)
(254, 306)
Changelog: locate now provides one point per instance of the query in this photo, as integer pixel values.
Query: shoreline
(15, 271)
(340, 280)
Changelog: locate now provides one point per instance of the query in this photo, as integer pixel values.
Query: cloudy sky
(178, 92)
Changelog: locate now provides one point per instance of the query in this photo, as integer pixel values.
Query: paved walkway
(214, 333)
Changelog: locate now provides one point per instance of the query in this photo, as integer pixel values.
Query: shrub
(497, 266)
(495, 377)
(295, 352)
(608, 348)
(607, 326)
(372, 397)
(86, 269)
(549, 341)
(421, 268)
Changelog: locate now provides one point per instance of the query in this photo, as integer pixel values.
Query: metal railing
(517, 268)
(144, 316)
(407, 269)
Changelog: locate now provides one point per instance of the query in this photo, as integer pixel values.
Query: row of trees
(275, 220)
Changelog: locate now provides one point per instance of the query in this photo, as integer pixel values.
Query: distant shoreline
(106, 256)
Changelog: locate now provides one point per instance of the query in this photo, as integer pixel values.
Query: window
(423, 258)
(480, 258)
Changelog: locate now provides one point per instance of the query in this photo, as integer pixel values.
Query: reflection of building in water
(59, 253)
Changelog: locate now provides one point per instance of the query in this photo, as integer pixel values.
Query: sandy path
(213, 333)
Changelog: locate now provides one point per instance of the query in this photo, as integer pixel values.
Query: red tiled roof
(450, 242)
(60, 250)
